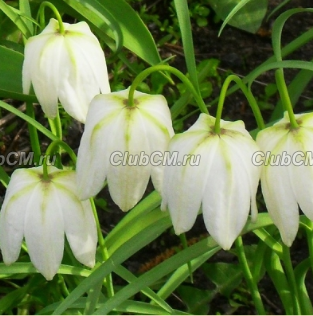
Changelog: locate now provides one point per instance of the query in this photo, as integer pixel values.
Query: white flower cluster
(71, 68)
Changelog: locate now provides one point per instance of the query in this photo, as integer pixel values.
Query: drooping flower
(224, 180)
(124, 145)
(42, 211)
(287, 174)
(69, 67)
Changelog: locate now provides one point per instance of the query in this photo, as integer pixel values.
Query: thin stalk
(254, 106)
(41, 14)
(292, 280)
(309, 233)
(33, 133)
(103, 249)
(144, 74)
(283, 92)
(183, 240)
(249, 278)
(56, 126)
(51, 148)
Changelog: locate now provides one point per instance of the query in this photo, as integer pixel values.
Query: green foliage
(131, 42)
(246, 15)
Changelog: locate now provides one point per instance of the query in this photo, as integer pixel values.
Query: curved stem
(50, 150)
(283, 92)
(249, 278)
(41, 13)
(144, 74)
(103, 249)
(254, 106)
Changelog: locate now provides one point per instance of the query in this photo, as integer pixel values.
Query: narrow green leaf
(11, 63)
(181, 274)
(295, 90)
(130, 278)
(300, 275)
(134, 307)
(278, 28)
(185, 28)
(26, 15)
(121, 254)
(10, 300)
(145, 206)
(171, 264)
(246, 15)
(15, 16)
(277, 275)
(92, 298)
(28, 119)
(293, 64)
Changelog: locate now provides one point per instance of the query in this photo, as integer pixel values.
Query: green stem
(283, 92)
(41, 13)
(249, 278)
(183, 240)
(292, 280)
(63, 286)
(4, 178)
(51, 148)
(144, 74)
(254, 106)
(308, 226)
(33, 133)
(103, 249)
(56, 126)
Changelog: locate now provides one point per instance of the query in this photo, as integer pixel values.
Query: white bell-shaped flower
(42, 211)
(70, 68)
(287, 174)
(217, 174)
(124, 145)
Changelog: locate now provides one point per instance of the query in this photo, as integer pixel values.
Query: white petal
(88, 50)
(93, 156)
(301, 176)
(33, 50)
(244, 147)
(44, 229)
(127, 183)
(46, 77)
(278, 193)
(184, 185)
(83, 77)
(13, 212)
(226, 200)
(158, 137)
(80, 227)
(280, 201)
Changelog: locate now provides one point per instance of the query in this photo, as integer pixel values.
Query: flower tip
(163, 207)
(90, 264)
(48, 275)
(287, 241)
